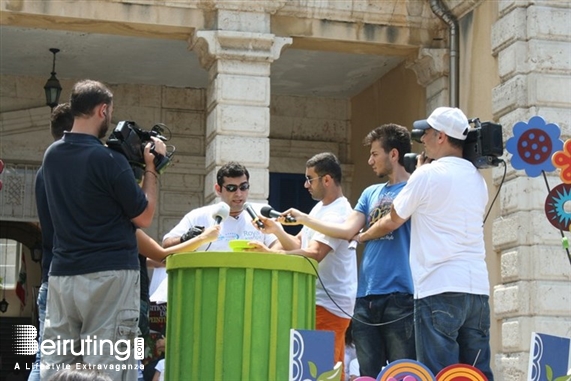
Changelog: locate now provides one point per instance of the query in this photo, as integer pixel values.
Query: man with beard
(382, 325)
(337, 285)
(95, 206)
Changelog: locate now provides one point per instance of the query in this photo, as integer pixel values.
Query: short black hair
(61, 120)
(458, 143)
(391, 136)
(231, 169)
(326, 163)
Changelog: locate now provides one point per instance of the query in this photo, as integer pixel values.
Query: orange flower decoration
(562, 160)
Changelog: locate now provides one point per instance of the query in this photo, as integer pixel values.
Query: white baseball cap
(449, 120)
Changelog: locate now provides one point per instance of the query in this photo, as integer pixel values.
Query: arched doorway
(17, 242)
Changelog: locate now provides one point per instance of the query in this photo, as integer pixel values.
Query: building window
(18, 194)
(10, 257)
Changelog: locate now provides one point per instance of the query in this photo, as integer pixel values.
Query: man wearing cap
(445, 201)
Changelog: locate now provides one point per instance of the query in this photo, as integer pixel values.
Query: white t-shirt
(231, 228)
(239, 227)
(338, 270)
(354, 369)
(159, 273)
(446, 202)
(160, 367)
(350, 354)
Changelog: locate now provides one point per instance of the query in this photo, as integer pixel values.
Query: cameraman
(445, 201)
(95, 207)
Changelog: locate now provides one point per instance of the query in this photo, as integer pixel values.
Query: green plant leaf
(563, 378)
(331, 375)
(312, 369)
(548, 373)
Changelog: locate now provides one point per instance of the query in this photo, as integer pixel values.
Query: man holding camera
(232, 186)
(95, 207)
(445, 201)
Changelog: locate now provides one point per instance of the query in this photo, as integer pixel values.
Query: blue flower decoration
(533, 144)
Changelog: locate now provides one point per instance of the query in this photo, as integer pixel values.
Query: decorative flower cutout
(562, 160)
(555, 207)
(533, 144)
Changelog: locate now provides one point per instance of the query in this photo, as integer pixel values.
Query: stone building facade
(514, 62)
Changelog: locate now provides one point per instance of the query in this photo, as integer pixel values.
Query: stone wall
(532, 42)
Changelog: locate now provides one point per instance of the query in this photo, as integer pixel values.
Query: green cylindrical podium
(229, 314)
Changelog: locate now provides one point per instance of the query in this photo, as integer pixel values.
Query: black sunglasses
(233, 187)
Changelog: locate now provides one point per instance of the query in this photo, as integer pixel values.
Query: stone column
(431, 68)
(531, 42)
(238, 56)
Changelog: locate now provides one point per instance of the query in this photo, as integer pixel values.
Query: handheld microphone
(221, 212)
(269, 212)
(254, 216)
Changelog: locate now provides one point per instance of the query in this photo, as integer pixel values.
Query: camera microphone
(254, 216)
(269, 212)
(221, 212)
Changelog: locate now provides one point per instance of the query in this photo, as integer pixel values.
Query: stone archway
(28, 233)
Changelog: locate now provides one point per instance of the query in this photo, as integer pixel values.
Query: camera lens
(410, 161)
(416, 134)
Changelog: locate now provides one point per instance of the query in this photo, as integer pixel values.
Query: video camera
(191, 233)
(483, 145)
(130, 140)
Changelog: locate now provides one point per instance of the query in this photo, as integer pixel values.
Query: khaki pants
(82, 312)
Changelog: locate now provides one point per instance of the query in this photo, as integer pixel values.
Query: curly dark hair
(391, 136)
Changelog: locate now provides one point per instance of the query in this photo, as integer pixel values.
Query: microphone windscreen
(266, 210)
(221, 212)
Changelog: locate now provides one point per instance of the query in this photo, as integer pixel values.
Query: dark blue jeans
(453, 328)
(392, 339)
